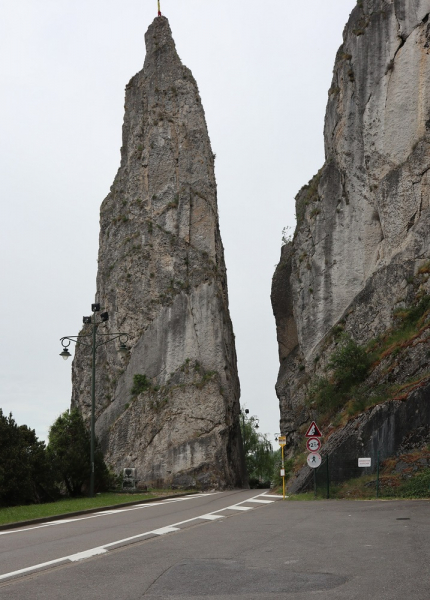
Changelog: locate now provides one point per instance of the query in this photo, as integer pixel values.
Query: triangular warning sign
(313, 431)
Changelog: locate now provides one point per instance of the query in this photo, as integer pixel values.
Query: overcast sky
(263, 69)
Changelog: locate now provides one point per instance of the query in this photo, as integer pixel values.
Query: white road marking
(57, 522)
(87, 554)
(175, 500)
(103, 549)
(164, 530)
(33, 568)
(261, 501)
(104, 513)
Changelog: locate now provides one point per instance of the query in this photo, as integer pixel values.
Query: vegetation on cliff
(351, 383)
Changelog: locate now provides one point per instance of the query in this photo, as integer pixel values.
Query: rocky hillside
(171, 407)
(351, 291)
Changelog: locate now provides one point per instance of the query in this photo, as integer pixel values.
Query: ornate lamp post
(91, 341)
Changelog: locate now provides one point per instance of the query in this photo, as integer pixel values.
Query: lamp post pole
(82, 340)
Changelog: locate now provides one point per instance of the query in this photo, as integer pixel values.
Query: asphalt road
(227, 545)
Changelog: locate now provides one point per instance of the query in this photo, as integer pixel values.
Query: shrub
(417, 487)
(141, 384)
(350, 363)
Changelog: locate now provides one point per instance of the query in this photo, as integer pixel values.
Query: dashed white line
(87, 554)
(103, 549)
(164, 530)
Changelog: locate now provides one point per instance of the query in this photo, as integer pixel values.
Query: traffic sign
(313, 431)
(282, 440)
(314, 460)
(313, 444)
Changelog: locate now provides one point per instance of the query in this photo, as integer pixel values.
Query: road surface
(239, 545)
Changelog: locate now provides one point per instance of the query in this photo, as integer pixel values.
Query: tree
(69, 451)
(25, 473)
(259, 456)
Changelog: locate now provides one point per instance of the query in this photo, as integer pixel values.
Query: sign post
(313, 444)
(282, 440)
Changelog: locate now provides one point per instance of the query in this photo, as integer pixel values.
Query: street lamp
(90, 340)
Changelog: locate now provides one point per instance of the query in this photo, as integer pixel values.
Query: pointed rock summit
(171, 407)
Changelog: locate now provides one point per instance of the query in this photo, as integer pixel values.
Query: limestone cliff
(358, 265)
(162, 278)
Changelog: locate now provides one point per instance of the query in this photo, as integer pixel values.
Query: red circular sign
(313, 444)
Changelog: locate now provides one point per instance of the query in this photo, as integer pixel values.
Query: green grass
(15, 514)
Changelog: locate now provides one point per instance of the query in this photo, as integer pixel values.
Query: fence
(333, 471)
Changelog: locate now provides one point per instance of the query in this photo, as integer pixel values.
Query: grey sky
(263, 70)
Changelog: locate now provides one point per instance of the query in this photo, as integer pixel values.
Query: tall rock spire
(162, 277)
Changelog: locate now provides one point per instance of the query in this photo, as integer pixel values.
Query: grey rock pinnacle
(162, 278)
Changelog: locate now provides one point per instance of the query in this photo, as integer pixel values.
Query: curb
(89, 511)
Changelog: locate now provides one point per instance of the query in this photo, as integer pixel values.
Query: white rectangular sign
(282, 472)
(364, 462)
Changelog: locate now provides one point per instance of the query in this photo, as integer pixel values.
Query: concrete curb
(88, 511)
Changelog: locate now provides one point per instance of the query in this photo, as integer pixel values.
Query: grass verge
(15, 514)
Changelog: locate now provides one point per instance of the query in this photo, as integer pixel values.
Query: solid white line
(58, 522)
(29, 569)
(175, 500)
(9, 531)
(105, 513)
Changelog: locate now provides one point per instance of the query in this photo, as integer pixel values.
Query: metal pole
(315, 483)
(93, 406)
(328, 479)
(377, 474)
(283, 470)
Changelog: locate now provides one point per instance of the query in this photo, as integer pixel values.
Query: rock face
(162, 278)
(361, 247)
